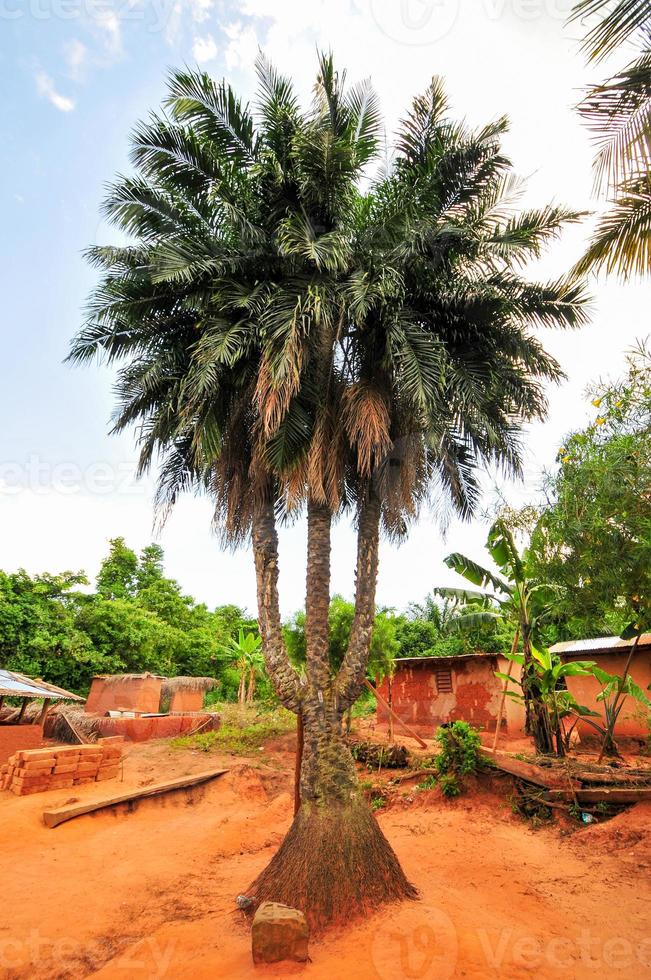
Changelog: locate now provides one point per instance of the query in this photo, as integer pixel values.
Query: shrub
(450, 786)
(430, 782)
(460, 747)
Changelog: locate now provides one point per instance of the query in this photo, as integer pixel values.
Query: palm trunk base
(334, 864)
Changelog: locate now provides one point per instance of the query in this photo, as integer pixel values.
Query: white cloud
(200, 9)
(46, 89)
(76, 59)
(109, 26)
(243, 46)
(204, 49)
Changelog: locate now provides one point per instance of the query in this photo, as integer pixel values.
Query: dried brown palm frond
(367, 422)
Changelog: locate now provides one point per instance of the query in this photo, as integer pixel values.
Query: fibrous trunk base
(334, 864)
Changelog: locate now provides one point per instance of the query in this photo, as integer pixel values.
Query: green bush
(450, 786)
(430, 782)
(459, 752)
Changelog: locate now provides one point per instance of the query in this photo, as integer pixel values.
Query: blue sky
(77, 75)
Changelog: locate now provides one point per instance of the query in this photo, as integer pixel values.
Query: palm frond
(618, 114)
(621, 242)
(620, 20)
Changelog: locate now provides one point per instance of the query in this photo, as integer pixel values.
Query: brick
(31, 755)
(112, 752)
(111, 764)
(64, 767)
(30, 783)
(31, 777)
(108, 773)
(82, 780)
(87, 768)
(111, 740)
(38, 765)
(92, 748)
(59, 782)
(66, 751)
(20, 790)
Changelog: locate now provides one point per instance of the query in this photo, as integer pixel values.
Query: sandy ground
(150, 893)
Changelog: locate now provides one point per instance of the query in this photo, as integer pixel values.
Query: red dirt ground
(150, 894)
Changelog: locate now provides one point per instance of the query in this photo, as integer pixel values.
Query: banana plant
(557, 703)
(247, 657)
(615, 689)
(514, 597)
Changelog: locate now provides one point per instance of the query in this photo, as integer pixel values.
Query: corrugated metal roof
(19, 686)
(600, 644)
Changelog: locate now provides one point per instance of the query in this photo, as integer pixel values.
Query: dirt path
(151, 893)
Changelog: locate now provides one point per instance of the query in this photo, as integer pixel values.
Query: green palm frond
(618, 114)
(621, 242)
(214, 113)
(620, 20)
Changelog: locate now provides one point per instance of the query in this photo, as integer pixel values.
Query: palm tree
(618, 112)
(293, 343)
(517, 598)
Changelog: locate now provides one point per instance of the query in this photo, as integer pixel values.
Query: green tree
(594, 538)
(118, 574)
(39, 630)
(618, 112)
(292, 337)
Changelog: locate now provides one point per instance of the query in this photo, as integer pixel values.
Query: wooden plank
(52, 818)
(621, 778)
(547, 778)
(617, 796)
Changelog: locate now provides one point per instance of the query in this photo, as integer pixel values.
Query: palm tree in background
(294, 344)
(618, 113)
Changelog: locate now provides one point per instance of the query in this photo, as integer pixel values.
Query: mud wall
(186, 700)
(634, 719)
(423, 699)
(136, 694)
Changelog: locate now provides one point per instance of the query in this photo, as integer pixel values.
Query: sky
(77, 75)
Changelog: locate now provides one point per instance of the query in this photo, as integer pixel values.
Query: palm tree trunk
(351, 674)
(265, 550)
(335, 862)
(317, 599)
(299, 762)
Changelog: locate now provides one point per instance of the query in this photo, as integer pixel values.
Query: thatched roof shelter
(173, 684)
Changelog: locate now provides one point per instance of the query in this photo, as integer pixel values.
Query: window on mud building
(443, 677)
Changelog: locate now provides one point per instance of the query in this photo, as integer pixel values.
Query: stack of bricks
(37, 770)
